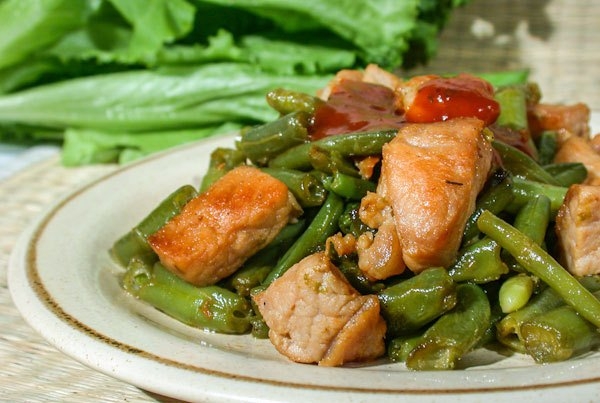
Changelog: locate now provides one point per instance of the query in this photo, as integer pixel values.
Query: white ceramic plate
(66, 287)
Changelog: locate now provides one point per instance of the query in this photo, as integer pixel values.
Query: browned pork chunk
(430, 176)
(578, 229)
(315, 316)
(219, 229)
(579, 149)
(574, 118)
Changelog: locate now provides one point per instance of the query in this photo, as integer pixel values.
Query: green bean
(260, 329)
(503, 78)
(264, 142)
(135, 243)
(567, 173)
(412, 303)
(349, 187)
(322, 226)
(558, 335)
(331, 161)
(350, 222)
(222, 160)
(547, 146)
(286, 101)
(400, 347)
(513, 107)
(508, 329)
(211, 307)
(515, 292)
(354, 144)
(539, 263)
(495, 197)
(521, 165)
(525, 190)
(357, 278)
(479, 262)
(532, 220)
(455, 333)
(306, 188)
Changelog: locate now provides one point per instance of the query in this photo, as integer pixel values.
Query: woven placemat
(32, 370)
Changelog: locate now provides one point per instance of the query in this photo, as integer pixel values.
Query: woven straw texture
(558, 40)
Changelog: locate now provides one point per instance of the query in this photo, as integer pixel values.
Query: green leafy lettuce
(113, 80)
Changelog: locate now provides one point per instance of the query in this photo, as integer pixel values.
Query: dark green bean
(410, 304)
(547, 146)
(558, 335)
(525, 190)
(354, 144)
(331, 161)
(306, 188)
(400, 347)
(211, 307)
(350, 222)
(479, 262)
(357, 278)
(349, 187)
(513, 107)
(134, 243)
(287, 101)
(455, 333)
(539, 263)
(260, 144)
(521, 165)
(322, 226)
(508, 329)
(495, 197)
(532, 220)
(567, 173)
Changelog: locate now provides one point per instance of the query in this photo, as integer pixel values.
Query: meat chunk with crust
(579, 149)
(431, 175)
(578, 230)
(315, 316)
(219, 229)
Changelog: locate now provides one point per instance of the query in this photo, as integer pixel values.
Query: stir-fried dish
(415, 219)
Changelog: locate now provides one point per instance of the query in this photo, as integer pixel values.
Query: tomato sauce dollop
(441, 99)
(356, 106)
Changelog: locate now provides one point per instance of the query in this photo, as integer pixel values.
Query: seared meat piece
(219, 229)
(315, 316)
(579, 149)
(431, 175)
(578, 229)
(574, 118)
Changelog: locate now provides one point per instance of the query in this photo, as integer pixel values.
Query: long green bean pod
(525, 190)
(453, 334)
(306, 188)
(331, 161)
(400, 347)
(264, 142)
(354, 144)
(349, 187)
(508, 329)
(134, 243)
(410, 304)
(539, 263)
(479, 262)
(567, 173)
(558, 335)
(287, 101)
(495, 197)
(521, 165)
(322, 226)
(211, 307)
(547, 146)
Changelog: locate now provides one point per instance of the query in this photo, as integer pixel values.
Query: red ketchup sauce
(356, 106)
(441, 99)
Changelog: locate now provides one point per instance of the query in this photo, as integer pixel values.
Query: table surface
(557, 40)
